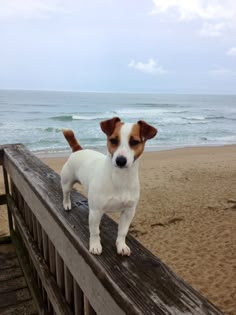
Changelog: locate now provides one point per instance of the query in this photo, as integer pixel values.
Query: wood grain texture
(23, 258)
(10, 274)
(14, 297)
(47, 279)
(3, 199)
(139, 284)
(26, 308)
(78, 300)
(12, 284)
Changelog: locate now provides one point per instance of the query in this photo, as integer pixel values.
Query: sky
(166, 46)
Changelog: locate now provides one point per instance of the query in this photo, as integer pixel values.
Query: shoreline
(60, 154)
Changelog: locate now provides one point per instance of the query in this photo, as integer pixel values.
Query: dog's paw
(67, 205)
(123, 249)
(95, 247)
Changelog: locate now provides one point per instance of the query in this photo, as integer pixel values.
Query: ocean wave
(220, 118)
(62, 118)
(95, 117)
(85, 116)
(195, 122)
(217, 140)
(158, 105)
(206, 119)
(51, 129)
(35, 105)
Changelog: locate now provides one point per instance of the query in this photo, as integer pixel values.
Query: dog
(112, 180)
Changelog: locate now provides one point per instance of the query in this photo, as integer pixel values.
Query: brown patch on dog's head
(109, 125)
(111, 128)
(140, 133)
(146, 131)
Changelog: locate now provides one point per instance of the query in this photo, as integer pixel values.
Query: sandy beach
(187, 216)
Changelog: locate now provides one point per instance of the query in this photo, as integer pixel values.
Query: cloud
(216, 15)
(192, 9)
(222, 72)
(28, 9)
(151, 67)
(231, 52)
(212, 30)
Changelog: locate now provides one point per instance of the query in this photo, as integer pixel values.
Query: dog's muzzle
(121, 161)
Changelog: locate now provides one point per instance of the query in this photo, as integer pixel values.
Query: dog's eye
(134, 142)
(114, 141)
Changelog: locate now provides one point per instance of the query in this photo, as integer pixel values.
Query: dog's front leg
(95, 246)
(125, 221)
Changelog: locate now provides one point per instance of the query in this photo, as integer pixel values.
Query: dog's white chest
(118, 203)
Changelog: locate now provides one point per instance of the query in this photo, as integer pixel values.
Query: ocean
(35, 118)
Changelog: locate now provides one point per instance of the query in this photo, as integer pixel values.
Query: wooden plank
(27, 215)
(14, 297)
(10, 274)
(1, 154)
(88, 308)
(52, 259)
(34, 227)
(8, 263)
(29, 218)
(26, 308)
(5, 239)
(45, 246)
(3, 147)
(69, 294)
(78, 300)
(6, 185)
(138, 284)
(5, 255)
(12, 284)
(39, 237)
(7, 248)
(60, 272)
(55, 296)
(3, 199)
(24, 263)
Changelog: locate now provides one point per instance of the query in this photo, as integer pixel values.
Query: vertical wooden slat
(78, 300)
(88, 308)
(21, 205)
(60, 272)
(26, 214)
(39, 237)
(52, 267)
(7, 191)
(52, 258)
(45, 246)
(69, 294)
(34, 228)
(46, 259)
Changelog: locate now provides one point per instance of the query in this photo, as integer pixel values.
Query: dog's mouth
(121, 167)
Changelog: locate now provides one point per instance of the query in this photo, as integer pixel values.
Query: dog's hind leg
(66, 183)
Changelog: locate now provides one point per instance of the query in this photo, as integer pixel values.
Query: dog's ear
(146, 130)
(109, 125)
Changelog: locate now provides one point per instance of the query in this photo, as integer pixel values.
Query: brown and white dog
(112, 180)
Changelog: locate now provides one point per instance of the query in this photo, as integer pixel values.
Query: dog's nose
(121, 161)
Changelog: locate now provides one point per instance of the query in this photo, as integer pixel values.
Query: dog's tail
(70, 137)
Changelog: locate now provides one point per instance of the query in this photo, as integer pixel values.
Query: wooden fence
(64, 277)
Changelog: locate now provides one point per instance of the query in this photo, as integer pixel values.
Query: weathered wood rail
(63, 276)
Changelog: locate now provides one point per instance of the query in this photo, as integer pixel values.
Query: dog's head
(125, 141)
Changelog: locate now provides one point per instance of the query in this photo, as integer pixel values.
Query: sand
(187, 216)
